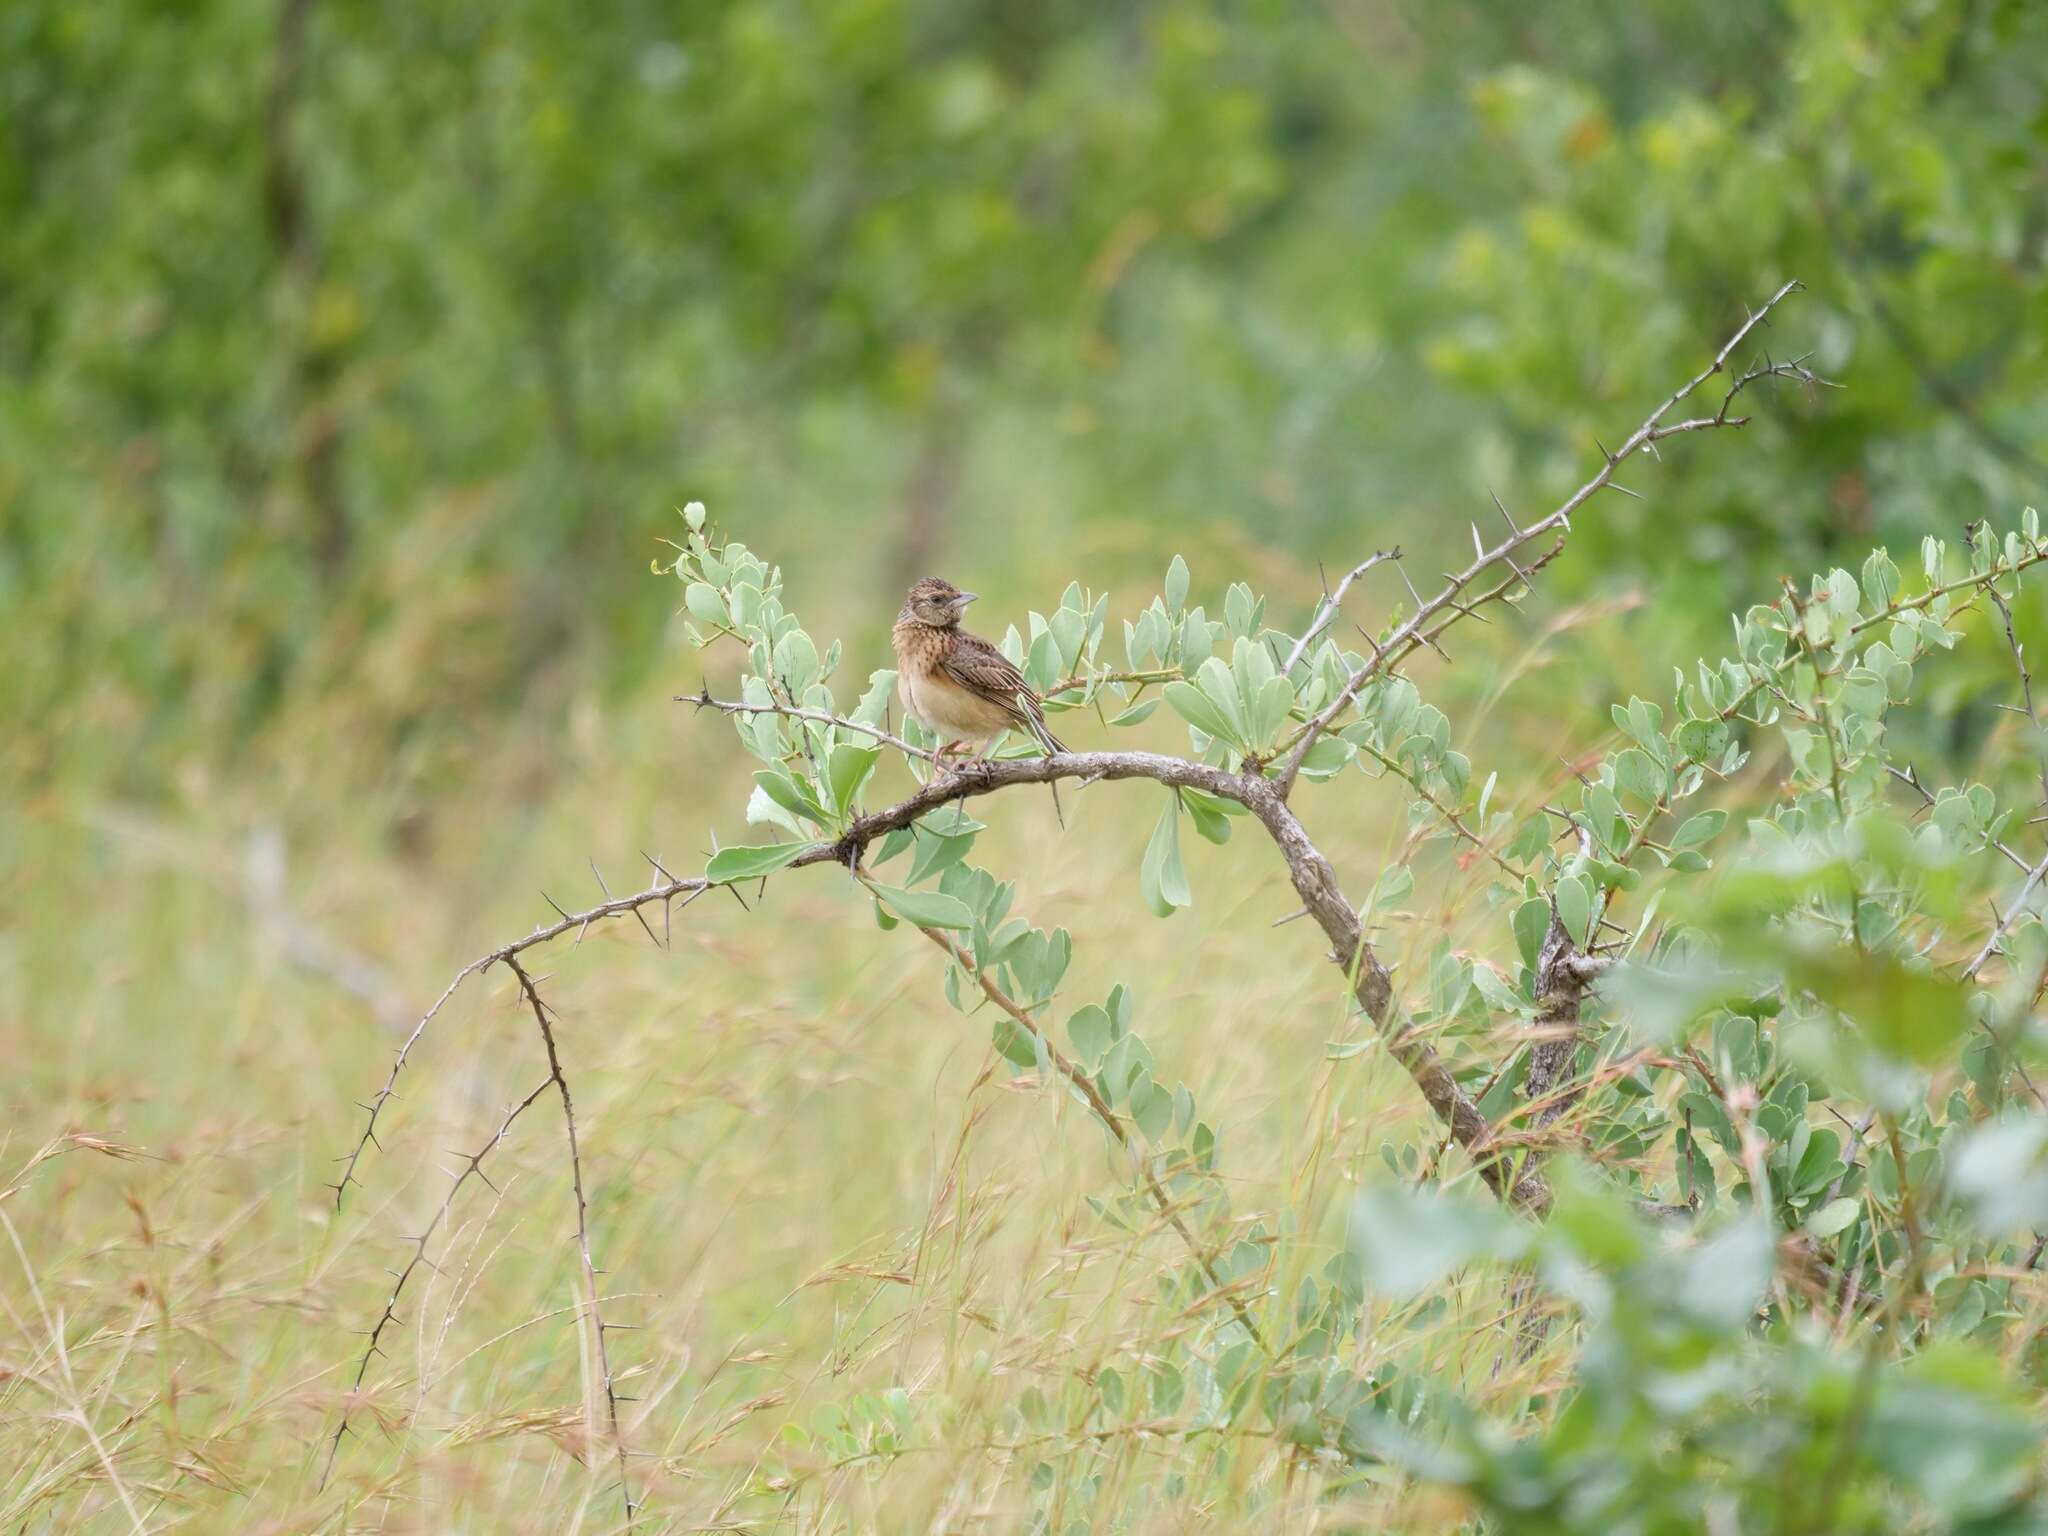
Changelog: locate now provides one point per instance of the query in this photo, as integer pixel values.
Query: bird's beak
(962, 599)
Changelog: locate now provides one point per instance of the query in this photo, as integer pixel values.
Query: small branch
(597, 1322)
(1315, 882)
(1089, 682)
(1326, 610)
(1085, 1085)
(1911, 779)
(1450, 816)
(665, 892)
(472, 1167)
(2012, 914)
(967, 780)
(2019, 660)
(703, 700)
(1418, 631)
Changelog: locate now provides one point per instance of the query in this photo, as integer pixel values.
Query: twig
(598, 1325)
(2012, 912)
(2019, 659)
(1417, 631)
(472, 1167)
(1326, 610)
(1911, 779)
(703, 700)
(665, 892)
(1085, 1085)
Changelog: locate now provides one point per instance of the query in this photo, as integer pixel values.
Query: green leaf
(763, 811)
(1128, 1058)
(1111, 1387)
(1724, 1277)
(1532, 922)
(927, 909)
(1909, 1013)
(1834, 1217)
(848, 767)
(1091, 1033)
(1637, 774)
(1996, 1175)
(1237, 608)
(1271, 704)
(874, 704)
(1163, 880)
(1152, 1109)
(1176, 585)
(1210, 822)
(1141, 711)
(1880, 579)
(729, 864)
(1703, 828)
(791, 795)
(1575, 907)
(1531, 838)
(1329, 754)
(1193, 706)
(1042, 662)
(703, 601)
(1219, 686)
(796, 661)
(1016, 1044)
(1069, 628)
(1407, 1240)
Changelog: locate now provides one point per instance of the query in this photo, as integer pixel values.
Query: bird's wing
(976, 665)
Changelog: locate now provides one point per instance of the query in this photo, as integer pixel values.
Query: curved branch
(1315, 882)
(666, 891)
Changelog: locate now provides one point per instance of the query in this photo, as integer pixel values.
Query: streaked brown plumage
(964, 689)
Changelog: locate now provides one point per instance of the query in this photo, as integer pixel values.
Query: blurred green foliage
(351, 360)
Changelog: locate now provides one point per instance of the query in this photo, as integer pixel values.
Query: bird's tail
(1052, 744)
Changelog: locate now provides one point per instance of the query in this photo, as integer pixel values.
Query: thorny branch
(598, 1326)
(665, 891)
(472, 1167)
(1433, 617)
(1327, 610)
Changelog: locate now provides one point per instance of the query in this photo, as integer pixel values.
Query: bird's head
(935, 602)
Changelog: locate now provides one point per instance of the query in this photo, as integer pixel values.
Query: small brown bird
(962, 688)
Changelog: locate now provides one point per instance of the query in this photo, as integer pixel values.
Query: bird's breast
(929, 692)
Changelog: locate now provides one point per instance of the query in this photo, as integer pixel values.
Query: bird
(964, 690)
